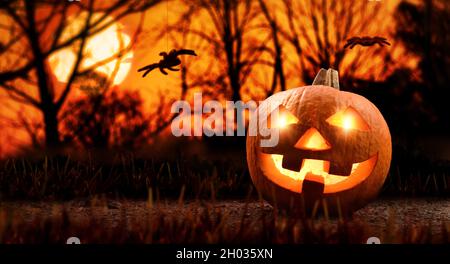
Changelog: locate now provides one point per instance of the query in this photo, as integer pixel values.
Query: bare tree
(236, 49)
(317, 30)
(117, 120)
(277, 52)
(422, 28)
(226, 32)
(178, 39)
(33, 38)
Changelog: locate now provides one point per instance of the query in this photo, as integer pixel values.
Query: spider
(366, 41)
(168, 62)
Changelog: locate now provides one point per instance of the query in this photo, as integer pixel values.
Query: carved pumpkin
(334, 146)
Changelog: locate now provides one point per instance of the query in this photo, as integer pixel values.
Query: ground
(393, 220)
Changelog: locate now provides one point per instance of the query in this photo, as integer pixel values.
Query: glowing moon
(98, 48)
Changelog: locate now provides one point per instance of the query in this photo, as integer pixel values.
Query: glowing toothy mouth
(320, 168)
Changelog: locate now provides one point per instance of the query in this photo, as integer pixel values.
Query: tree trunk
(46, 95)
(278, 61)
(236, 97)
(236, 87)
(51, 128)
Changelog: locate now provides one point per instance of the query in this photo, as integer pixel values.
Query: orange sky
(147, 52)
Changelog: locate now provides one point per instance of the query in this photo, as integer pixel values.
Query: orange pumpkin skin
(314, 106)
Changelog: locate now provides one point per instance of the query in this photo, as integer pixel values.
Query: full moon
(100, 47)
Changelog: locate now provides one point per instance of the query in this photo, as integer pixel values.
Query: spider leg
(386, 42)
(353, 45)
(353, 39)
(161, 69)
(172, 69)
(147, 69)
(382, 43)
(145, 73)
(381, 40)
(347, 44)
(186, 52)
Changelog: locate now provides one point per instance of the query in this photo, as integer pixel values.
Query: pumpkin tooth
(317, 167)
(341, 169)
(334, 179)
(314, 178)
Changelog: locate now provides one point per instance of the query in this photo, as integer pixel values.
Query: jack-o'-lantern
(334, 148)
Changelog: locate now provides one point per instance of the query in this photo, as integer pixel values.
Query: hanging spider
(366, 41)
(168, 61)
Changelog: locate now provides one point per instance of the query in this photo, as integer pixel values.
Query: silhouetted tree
(233, 47)
(276, 51)
(224, 26)
(104, 121)
(34, 31)
(317, 31)
(423, 28)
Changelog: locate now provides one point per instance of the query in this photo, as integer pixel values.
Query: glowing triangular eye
(348, 119)
(285, 118)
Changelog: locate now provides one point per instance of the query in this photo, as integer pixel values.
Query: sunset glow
(98, 49)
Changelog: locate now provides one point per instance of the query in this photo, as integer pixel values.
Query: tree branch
(23, 97)
(79, 57)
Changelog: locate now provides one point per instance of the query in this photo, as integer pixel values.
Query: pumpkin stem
(328, 77)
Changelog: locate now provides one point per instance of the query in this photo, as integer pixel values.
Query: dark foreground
(233, 221)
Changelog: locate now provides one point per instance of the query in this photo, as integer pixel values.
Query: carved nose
(312, 140)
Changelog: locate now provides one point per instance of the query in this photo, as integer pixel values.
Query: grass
(418, 176)
(58, 178)
(126, 175)
(203, 223)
